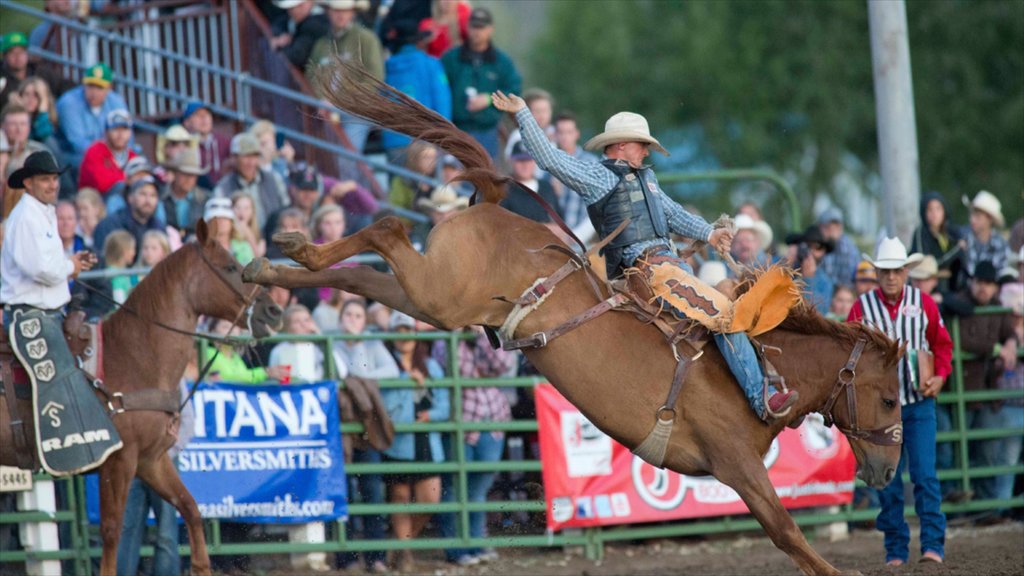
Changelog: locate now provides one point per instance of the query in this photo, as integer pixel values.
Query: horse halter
(888, 436)
(248, 302)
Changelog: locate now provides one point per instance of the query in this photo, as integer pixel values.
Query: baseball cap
(135, 165)
(450, 161)
(12, 40)
(193, 107)
(218, 208)
(480, 17)
(401, 320)
(519, 152)
(305, 177)
(832, 214)
(119, 118)
(98, 75)
(865, 272)
(141, 183)
(244, 144)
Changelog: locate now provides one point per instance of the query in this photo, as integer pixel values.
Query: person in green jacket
(231, 367)
(475, 70)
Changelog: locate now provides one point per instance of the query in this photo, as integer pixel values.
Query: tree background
(787, 85)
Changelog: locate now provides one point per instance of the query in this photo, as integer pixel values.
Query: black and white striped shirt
(909, 327)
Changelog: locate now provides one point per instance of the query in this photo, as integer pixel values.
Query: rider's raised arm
(590, 179)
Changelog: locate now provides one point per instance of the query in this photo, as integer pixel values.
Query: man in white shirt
(34, 274)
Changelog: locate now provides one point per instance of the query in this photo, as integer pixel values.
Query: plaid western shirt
(593, 181)
(481, 404)
(995, 251)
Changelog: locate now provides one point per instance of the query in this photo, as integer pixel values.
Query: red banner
(591, 480)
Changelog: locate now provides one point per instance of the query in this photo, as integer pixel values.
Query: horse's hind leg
(163, 478)
(115, 475)
(751, 482)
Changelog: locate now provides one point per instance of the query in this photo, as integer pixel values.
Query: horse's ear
(201, 232)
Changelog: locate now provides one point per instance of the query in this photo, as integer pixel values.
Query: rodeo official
(72, 428)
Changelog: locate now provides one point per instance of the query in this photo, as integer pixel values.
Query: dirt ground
(995, 550)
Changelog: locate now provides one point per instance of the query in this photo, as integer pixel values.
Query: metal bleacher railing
(83, 544)
(165, 96)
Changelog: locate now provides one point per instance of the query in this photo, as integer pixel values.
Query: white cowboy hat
(988, 203)
(759, 227)
(443, 199)
(892, 255)
(712, 272)
(624, 127)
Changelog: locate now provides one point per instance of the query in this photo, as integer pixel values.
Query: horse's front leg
(115, 476)
(163, 478)
(748, 477)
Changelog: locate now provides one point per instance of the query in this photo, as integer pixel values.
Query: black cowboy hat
(406, 32)
(37, 163)
(812, 235)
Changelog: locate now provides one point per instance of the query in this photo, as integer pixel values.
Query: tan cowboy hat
(187, 161)
(928, 268)
(988, 203)
(624, 127)
(443, 199)
(892, 255)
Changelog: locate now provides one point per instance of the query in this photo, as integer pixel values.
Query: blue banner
(265, 454)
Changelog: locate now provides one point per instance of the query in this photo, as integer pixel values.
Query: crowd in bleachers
(133, 211)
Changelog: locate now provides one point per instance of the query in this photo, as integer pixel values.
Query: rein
(889, 436)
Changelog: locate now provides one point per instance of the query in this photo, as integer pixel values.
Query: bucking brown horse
(147, 347)
(615, 369)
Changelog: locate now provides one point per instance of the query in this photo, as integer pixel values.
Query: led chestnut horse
(144, 354)
(615, 369)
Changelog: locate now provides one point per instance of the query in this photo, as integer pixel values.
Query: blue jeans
(919, 457)
(488, 139)
(999, 451)
(367, 489)
(142, 498)
(487, 449)
(738, 353)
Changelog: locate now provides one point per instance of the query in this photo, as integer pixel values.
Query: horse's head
(865, 405)
(226, 296)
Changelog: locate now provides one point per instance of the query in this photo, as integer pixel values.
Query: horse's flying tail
(351, 88)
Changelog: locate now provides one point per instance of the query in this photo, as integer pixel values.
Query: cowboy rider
(621, 186)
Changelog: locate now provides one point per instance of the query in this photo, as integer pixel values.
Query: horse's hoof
(255, 271)
(294, 246)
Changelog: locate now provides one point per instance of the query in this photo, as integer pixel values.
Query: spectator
(352, 42)
(328, 224)
(866, 279)
(366, 359)
(290, 220)
(448, 25)
(442, 204)
(805, 254)
(220, 219)
(173, 140)
(925, 277)
(983, 241)
(841, 263)
(155, 247)
(992, 340)
(137, 217)
(406, 405)
(15, 122)
(750, 242)
(477, 359)
(17, 67)
(213, 146)
(230, 367)
(542, 106)
(421, 158)
(118, 254)
(842, 301)
(752, 210)
(475, 70)
(295, 35)
(83, 112)
(1007, 413)
(570, 202)
(524, 171)
(267, 189)
(183, 199)
(271, 159)
(67, 226)
(36, 97)
(420, 76)
(91, 210)
(359, 203)
(305, 185)
(328, 311)
(245, 221)
(137, 168)
(104, 161)
(912, 319)
(937, 238)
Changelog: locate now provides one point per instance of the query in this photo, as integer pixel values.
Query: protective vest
(633, 198)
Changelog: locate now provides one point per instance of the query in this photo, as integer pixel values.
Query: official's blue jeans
(142, 498)
(478, 484)
(370, 490)
(488, 139)
(738, 352)
(999, 451)
(919, 458)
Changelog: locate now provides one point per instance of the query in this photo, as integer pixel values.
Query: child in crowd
(305, 358)
(91, 210)
(155, 247)
(220, 218)
(245, 222)
(842, 301)
(118, 254)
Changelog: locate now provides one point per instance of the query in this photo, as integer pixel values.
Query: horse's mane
(351, 88)
(805, 319)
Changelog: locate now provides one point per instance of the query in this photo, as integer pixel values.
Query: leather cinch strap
(541, 339)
